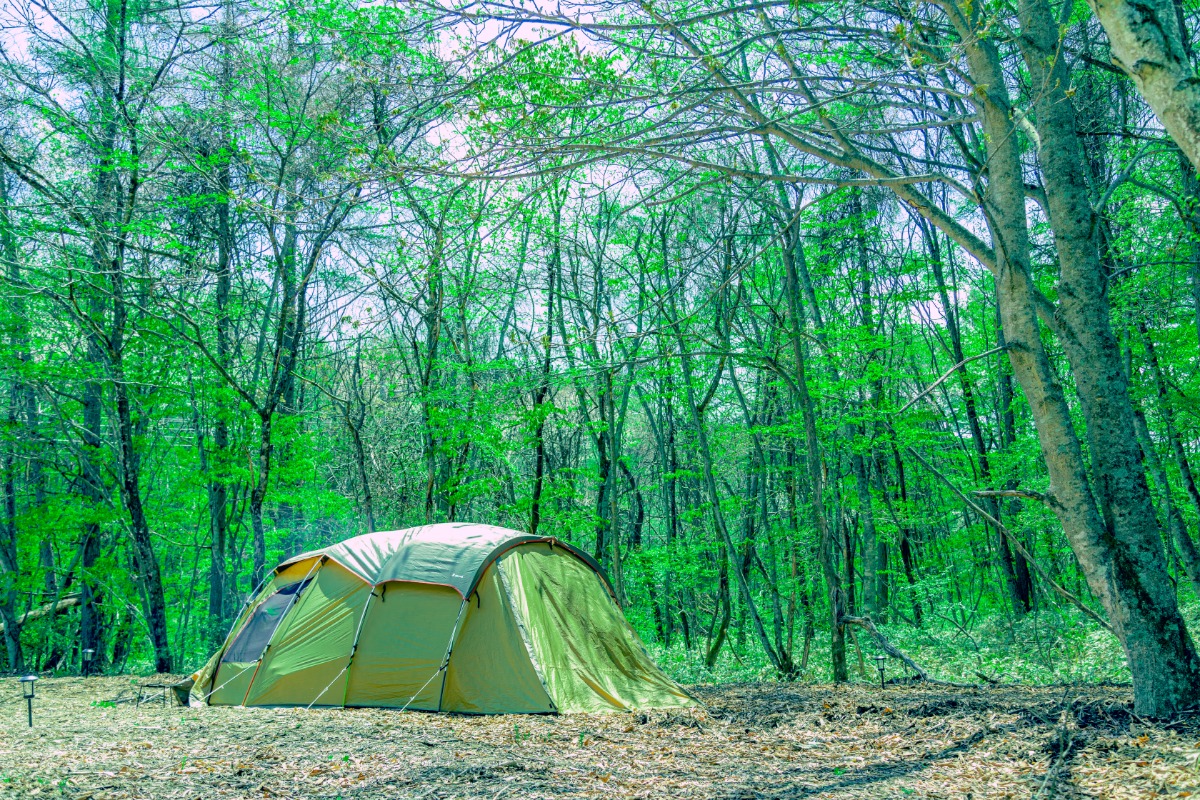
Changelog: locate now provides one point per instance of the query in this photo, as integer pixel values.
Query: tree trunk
(710, 482)
(757, 495)
(1184, 546)
(216, 572)
(288, 519)
(799, 571)
(671, 500)
(10, 571)
(258, 494)
(143, 547)
(1141, 603)
(149, 577)
(91, 618)
(1008, 437)
(836, 594)
(130, 479)
(720, 627)
(1190, 216)
(1148, 44)
(614, 518)
(92, 463)
(602, 550)
(1018, 590)
(1183, 541)
(797, 277)
(354, 421)
(433, 333)
(218, 491)
(1161, 657)
(874, 549)
(543, 390)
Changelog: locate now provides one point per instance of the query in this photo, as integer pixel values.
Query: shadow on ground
(751, 741)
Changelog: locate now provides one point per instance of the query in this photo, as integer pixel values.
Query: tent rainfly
(454, 617)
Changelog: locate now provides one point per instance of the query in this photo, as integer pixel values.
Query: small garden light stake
(27, 691)
(87, 656)
(881, 664)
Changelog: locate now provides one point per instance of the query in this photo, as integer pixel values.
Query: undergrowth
(1052, 645)
(1048, 646)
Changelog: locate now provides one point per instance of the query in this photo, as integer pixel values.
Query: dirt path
(753, 741)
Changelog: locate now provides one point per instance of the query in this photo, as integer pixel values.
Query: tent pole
(238, 618)
(354, 647)
(282, 617)
(450, 647)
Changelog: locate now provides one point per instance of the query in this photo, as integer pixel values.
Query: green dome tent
(452, 617)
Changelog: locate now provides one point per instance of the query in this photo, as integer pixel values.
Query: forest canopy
(823, 327)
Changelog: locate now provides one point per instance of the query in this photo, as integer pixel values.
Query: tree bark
(1184, 546)
(355, 416)
(218, 491)
(1183, 541)
(1149, 45)
(10, 571)
(150, 578)
(825, 553)
(720, 627)
(91, 618)
(259, 493)
(1130, 563)
(543, 389)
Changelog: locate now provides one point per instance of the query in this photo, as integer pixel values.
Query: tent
(452, 617)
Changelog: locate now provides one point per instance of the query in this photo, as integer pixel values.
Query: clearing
(752, 741)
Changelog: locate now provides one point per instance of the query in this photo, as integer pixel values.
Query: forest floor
(752, 741)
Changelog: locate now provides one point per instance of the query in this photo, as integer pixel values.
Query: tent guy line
(386, 614)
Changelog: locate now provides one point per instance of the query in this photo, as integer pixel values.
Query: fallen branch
(1027, 494)
(1017, 545)
(1066, 742)
(62, 605)
(866, 624)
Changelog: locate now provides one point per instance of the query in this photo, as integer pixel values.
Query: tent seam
(445, 668)
(354, 645)
(282, 617)
(525, 639)
(237, 618)
(508, 544)
(518, 541)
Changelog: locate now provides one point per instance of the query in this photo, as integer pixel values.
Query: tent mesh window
(252, 640)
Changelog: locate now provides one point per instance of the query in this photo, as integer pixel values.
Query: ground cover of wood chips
(751, 741)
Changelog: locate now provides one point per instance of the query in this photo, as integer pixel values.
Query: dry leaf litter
(751, 741)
